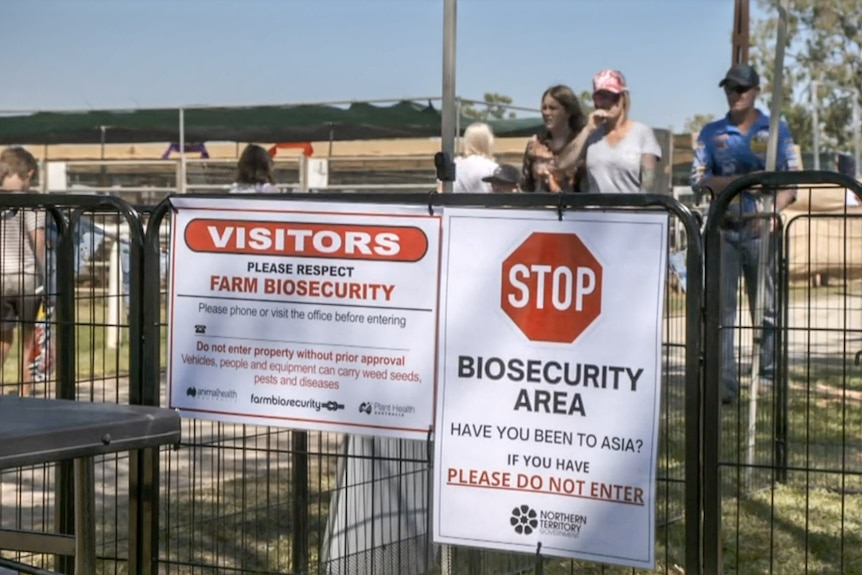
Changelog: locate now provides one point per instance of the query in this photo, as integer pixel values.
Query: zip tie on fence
(431, 195)
(429, 446)
(176, 446)
(560, 207)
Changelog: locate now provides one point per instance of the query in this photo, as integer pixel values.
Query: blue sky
(91, 54)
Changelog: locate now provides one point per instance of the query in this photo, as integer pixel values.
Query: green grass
(812, 523)
(95, 360)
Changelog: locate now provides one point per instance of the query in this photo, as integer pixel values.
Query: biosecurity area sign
(548, 407)
(304, 315)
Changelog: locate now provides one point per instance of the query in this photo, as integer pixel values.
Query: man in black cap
(505, 179)
(725, 150)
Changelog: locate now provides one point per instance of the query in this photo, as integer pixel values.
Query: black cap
(504, 174)
(742, 74)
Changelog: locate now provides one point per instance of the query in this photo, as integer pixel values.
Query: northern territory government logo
(525, 520)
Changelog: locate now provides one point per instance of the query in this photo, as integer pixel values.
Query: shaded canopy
(303, 123)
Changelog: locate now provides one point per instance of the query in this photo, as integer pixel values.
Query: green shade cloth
(304, 123)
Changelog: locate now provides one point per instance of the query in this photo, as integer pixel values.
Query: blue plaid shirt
(722, 150)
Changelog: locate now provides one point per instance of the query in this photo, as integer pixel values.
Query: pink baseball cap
(609, 81)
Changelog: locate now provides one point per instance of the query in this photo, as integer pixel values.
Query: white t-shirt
(469, 172)
(617, 169)
(263, 188)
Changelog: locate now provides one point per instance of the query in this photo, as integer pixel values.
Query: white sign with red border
(318, 316)
(550, 364)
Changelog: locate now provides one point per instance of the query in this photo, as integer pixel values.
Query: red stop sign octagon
(552, 287)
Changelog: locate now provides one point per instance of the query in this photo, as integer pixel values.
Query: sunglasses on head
(736, 88)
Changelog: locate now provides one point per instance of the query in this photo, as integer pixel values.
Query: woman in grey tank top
(620, 153)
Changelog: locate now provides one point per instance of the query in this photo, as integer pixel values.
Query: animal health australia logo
(214, 394)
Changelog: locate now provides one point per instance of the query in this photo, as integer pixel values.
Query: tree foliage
(824, 43)
(698, 121)
(493, 108)
(585, 98)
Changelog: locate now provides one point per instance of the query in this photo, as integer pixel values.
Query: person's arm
(528, 182)
(648, 166)
(38, 237)
(703, 178)
(573, 153)
(788, 161)
(650, 155)
(34, 226)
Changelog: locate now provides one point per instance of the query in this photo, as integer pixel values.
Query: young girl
(477, 162)
(23, 247)
(254, 172)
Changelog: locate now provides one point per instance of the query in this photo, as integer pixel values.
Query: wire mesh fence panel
(789, 452)
(255, 499)
(37, 302)
(240, 498)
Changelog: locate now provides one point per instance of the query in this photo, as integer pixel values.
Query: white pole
(115, 297)
(448, 132)
(448, 113)
(182, 144)
(762, 267)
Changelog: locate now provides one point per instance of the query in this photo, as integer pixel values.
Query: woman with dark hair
(254, 172)
(564, 120)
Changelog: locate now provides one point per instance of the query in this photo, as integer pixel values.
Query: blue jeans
(741, 252)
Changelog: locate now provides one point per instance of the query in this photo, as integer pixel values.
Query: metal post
(43, 178)
(741, 10)
(103, 171)
(64, 492)
(857, 117)
(85, 516)
(448, 112)
(815, 123)
(115, 297)
(765, 237)
(300, 551)
(448, 129)
(182, 151)
(458, 105)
